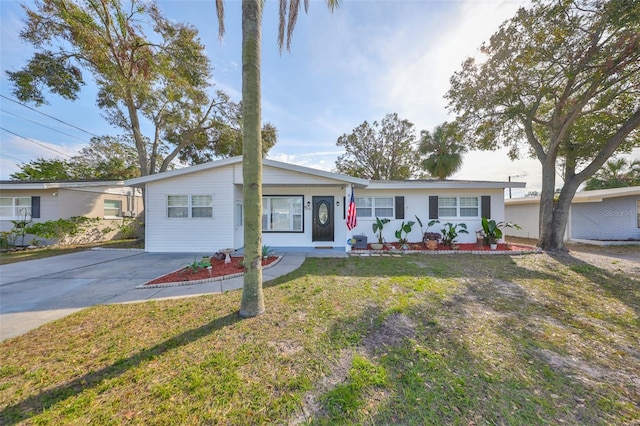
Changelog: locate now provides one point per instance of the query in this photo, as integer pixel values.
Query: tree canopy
(616, 173)
(161, 78)
(559, 81)
(441, 150)
(105, 158)
(385, 150)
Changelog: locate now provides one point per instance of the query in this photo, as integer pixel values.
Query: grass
(40, 253)
(414, 340)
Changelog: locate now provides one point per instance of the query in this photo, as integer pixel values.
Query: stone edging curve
(202, 281)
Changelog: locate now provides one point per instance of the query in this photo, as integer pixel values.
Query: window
(458, 207)
(190, 206)
(239, 215)
(201, 206)
(469, 206)
(282, 213)
(638, 211)
(112, 208)
(374, 207)
(447, 206)
(15, 207)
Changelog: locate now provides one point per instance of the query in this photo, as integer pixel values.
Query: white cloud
(24, 151)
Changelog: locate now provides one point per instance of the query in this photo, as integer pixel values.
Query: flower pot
(493, 246)
(432, 244)
(376, 246)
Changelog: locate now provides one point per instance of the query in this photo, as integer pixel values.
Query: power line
(52, 117)
(12, 157)
(43, 125)
(37, 143)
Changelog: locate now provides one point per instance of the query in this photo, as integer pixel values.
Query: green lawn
(435, 340)
(39, 253)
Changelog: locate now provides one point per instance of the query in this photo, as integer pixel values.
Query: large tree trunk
(252, 298)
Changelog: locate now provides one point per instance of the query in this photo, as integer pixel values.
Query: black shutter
(433, 207)
(344, 207)
(399, 207)
(485, 206)
(35, 207)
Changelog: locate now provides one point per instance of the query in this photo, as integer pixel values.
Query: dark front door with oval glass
(322, 229)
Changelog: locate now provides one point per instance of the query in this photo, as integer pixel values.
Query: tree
(252, 303)
(44, 169)
(616, 173)
(105, 158)
(561, 77)
(384, 150)
(162, 78)
(442, 149)
(110, 158)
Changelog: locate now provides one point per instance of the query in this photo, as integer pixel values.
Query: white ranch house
(200, 209)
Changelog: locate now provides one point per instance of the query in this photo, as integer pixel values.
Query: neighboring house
(40, 201)
(200, 208)
(605, 214)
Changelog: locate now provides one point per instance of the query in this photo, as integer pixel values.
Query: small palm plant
(377, 227)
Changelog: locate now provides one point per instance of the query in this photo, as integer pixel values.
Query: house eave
(24, 185)
(444, 184)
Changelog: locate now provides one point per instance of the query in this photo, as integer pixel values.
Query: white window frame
(459, 207)
(111, 209)
(375, 206)
(239, 215)
(193, 201)
(295, 213)
(16, 207)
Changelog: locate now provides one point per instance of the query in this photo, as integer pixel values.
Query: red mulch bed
(461, 247)
(218, 269)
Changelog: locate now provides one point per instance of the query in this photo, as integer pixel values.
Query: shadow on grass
(451, 266)
(37, 403)
(615, 285)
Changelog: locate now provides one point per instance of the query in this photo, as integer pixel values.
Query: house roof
(583, 196)
(356, 182)
(442, 183)
(52, 184)
(238, 160)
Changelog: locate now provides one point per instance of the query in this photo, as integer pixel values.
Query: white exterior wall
(525, 215)
(611, 219)
(416, 203)
(304, 239)
(163, 234)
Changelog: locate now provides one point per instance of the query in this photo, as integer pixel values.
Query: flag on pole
(352, 220)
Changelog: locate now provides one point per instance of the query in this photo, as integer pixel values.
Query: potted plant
(492, 230)
(377, 228)
(430, 239)
(406, 229)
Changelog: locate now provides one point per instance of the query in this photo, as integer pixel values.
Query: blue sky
(365, 60)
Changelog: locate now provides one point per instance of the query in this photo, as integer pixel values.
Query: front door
(322, 219)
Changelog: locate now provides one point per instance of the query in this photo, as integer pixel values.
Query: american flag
(352, 220)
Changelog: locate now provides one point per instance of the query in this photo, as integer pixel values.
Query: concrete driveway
(35, 292)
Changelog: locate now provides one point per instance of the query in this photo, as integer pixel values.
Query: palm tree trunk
(252, 303)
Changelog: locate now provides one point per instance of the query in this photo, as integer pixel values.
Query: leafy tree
(110, 158)
(561, 77)
(252, 303)
(45, 169)
(162, 78)
(384, 150)
(442, 150)
(616, 173)
(105, 158)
